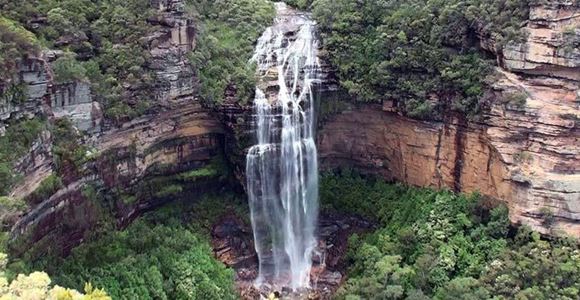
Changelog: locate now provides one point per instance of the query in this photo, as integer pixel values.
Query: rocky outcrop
(27, 97)
(74, 101)
(170, 45)
(552, 46)
(128, 159)
(34, 94)
(525, 151)
(133, 167)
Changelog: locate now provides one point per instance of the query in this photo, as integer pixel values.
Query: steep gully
(526, 156)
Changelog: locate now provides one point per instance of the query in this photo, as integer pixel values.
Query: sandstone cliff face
(152, 147)
(46, 100)
(526, 155)
(35, 79)
(126, 166)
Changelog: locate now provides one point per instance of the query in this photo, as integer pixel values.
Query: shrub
(228, 31)
(301, 4)
(416, 51)
(47, 188)
(548, 217)
(67, 69)
(14, 93)
(523, 157)
(17, 140)
(517, 99)
(16, 43)
(68, 149)
(169, 190)
(435, 244)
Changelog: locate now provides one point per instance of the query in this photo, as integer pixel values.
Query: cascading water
(281, 169)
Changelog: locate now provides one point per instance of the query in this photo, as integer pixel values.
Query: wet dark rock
(232, 241)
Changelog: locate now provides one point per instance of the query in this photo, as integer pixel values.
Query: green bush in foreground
(37, 286)
(147, 261)
(163, 255)
(438, 245)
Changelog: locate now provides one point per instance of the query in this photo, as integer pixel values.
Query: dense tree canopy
(147, 261)
(422, 54)
(434, 244)
(163, 255)
(37, 286)
(229, 30)
(103, 41)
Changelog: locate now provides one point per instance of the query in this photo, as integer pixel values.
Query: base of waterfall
(233, 245)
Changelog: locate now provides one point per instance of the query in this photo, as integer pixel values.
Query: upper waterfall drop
(282, 168)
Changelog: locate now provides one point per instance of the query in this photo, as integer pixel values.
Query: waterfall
(281, 169)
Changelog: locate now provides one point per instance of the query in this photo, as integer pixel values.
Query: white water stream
(282, 169)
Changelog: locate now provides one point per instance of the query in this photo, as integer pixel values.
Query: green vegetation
(14, 93)
(523, 157)
(68, 151)
(9, 206)
(68, 69)
(571, 40)
(15, 44)
(160, 256)
(169, 190)
(47, 188)
(160, 187)
(228, 32)
(300, 4)
(104, 43)
(10, 203)
(435, 244)
(332, 103)
(37, 286)
(217, 168)
(148, 261)
(14, 144)
(424, 54)
(547, 216)
(193, 175)
(516, 99)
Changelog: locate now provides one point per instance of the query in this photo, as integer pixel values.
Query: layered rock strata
(526, 149)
